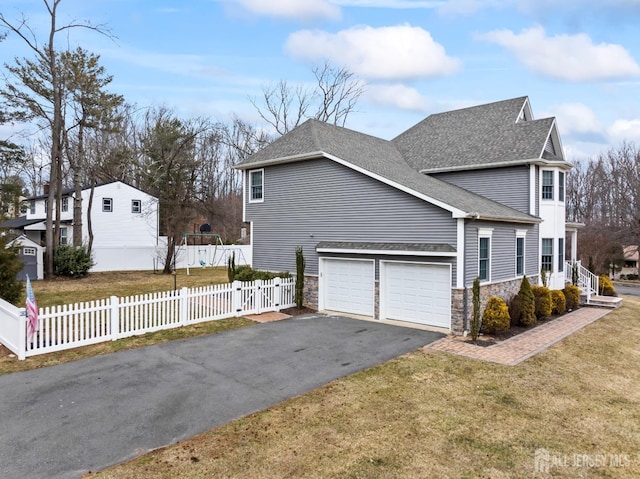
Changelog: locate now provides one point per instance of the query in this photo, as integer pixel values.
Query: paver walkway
(518, 348)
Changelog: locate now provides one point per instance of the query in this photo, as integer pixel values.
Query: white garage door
(348, 286)
(419, 293)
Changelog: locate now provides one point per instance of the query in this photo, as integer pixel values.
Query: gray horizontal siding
(503, 250)
(509, 185)
(320, 200)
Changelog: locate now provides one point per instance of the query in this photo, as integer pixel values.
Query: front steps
(610, 302)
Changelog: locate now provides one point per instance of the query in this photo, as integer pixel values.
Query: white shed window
(26, 251)
(136, 206)
(107, 205)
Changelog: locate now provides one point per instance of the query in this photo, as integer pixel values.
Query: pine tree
(10, 266)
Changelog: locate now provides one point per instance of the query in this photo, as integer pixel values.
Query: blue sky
(579, 61)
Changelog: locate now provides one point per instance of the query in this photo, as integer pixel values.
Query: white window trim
(485, 233)
(564, 186)
(553, 254)
(110, 210)
(521, 234)
(553, 185)
(28, 251)
(251, 199)
(139, 203)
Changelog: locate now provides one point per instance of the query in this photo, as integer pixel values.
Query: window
(65, 204)
(107, 205)
(547, 254)
(560, 186)
(32, 207)
(547, 185)
(26, 251)
(520, 256)
(560, 254)
(136, 206)
(256, 192)
(63, 236)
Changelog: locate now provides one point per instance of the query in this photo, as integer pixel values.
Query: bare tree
(334, 97)
(37, 92)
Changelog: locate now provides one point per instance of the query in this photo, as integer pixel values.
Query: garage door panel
(349, 286)
(417, 292)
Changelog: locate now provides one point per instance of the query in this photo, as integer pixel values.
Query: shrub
(605, 286)
(572, 297)
(558, 302)
(475, 319)
(72, 261)
(10, 266)
(527, 301)
(542, 297)
(231, 267)
(515, 309)
(495, 318)
(300, 265)
(247, 273)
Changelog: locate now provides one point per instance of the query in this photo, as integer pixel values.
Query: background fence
(81, 324)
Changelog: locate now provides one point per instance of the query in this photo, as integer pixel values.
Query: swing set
(206, 252)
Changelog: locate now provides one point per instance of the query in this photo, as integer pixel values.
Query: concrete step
(611, 302)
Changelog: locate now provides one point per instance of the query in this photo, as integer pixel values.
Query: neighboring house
(630, 260)
(124, 222)
(400, 229)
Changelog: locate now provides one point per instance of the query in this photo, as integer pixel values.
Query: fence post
(236, 297)
(184, 306)
(115, 318)
(22, 334)
(277, 293)
(257, 296)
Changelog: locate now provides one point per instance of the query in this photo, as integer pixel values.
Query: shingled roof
(493, 134)
(496, 134)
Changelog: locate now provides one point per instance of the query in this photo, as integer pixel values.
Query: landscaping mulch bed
(486, 340)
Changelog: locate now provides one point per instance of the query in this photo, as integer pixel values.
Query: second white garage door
(416, 292)
(348, 285)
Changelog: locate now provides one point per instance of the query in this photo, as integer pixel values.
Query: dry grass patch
(121, 283)
(432, 414)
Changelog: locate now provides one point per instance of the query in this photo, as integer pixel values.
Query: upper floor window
(107, 205)
(561, 186)
(65, 204)
(136, 206)
(547, 185)
(256, 180)
(547, 254)
(32, 207)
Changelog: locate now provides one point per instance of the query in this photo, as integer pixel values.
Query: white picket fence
(81, 324)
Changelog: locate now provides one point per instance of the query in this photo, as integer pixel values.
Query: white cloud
(625, 130)
(390, 53)
(566, 57)
(576, 118)
(395, 95)
(298, 9)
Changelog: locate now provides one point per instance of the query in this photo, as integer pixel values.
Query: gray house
(400, 229)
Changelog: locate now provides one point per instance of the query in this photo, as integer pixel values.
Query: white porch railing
(81, 324)
(586, 280)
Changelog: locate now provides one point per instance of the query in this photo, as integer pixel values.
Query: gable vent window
(107, 205)
(547, 185)
(136, 206)
(549, 147)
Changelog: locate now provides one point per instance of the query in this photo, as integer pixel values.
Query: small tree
(543, 277)
(543, 304)
(527, 304)
(10, 266)
(231, 267)
(300, 265)
(559, 302)
(73, 261)
(475, 319)
(572, 296)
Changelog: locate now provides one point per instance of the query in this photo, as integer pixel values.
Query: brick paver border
(518, 348)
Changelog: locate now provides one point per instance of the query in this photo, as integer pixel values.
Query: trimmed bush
(72, 261)
(605, 286)
(525, 305)
(558, 302)
(572, 297)
(542, 297)
(10, 266)
(515, 309)
(495, 317)
(247, 273)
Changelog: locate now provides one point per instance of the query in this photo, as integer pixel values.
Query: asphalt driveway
(62, 421)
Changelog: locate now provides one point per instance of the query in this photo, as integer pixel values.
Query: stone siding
(310, 292)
